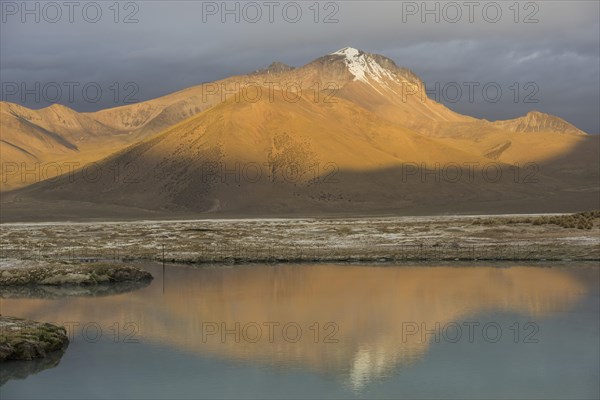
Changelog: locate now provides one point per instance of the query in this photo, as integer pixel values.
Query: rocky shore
(26, 340)
(22, 339)
(29, 272)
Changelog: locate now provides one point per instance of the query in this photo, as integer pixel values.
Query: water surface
(325, 331)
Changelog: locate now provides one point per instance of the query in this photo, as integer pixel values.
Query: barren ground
(451, 238)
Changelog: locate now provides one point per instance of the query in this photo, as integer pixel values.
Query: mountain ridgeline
(350, 132)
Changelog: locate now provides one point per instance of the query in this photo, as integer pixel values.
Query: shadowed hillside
(350, 132)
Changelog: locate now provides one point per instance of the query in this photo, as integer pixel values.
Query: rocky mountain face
(276, 67)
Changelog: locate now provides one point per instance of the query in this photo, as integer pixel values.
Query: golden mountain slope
(348, 131)
(39, 144)
(273, 156)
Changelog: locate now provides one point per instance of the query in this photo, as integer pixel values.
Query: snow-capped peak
(347, 51)
(363, 66)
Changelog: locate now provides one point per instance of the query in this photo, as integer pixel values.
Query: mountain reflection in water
(367, 308)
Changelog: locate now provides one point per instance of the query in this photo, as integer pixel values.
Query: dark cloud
(171, 48)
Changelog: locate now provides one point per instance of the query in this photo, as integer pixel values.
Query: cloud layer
(542, 55)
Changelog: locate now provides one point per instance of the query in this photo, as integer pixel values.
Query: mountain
(348, 132)
(536, 121)
(275, 68)
(37, 144)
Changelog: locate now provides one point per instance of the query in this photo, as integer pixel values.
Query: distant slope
(536, 121)
(38, 144)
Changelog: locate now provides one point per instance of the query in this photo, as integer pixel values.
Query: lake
(323, 331)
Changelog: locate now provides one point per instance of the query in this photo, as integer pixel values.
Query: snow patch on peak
(347, 51)
(364, 67)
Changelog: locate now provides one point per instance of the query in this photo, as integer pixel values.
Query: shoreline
(23, 273)
(189, 218)
(545, 238)
(23, 339)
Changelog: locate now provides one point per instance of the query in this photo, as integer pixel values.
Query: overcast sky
(550, 49)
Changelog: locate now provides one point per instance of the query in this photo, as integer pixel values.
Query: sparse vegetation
(21, 339)
(344, 230)
(583, 220)
(66, 273)
(392, 239)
